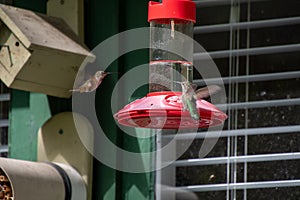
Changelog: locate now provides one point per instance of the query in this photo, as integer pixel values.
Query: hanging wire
(233, 96)
(230, 100)
(247, 99)
(236, 85)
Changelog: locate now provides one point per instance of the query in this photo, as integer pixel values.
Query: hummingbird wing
(206, 91)
(194, 86)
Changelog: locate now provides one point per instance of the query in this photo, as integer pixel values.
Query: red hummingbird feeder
(162, 108)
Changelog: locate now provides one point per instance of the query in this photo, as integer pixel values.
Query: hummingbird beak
(111, 72)
(177, 82)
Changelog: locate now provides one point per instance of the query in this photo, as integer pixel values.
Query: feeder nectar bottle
(171, 43)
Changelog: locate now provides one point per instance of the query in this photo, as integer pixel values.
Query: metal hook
(9, 53)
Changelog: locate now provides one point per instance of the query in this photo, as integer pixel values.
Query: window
(4, 109)
(256, 47)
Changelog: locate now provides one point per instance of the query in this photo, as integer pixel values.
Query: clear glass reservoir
(171, 54)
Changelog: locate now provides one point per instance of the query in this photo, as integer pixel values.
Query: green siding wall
(30, 110)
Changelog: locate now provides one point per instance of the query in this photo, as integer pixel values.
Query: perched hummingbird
(92, 83)
(189, 96)
(188, 99)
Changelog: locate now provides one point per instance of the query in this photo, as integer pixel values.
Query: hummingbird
(190, 96)
(93, 83)
(188, 99)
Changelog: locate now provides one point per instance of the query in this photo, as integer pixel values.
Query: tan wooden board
(72, 12)
(58, 141)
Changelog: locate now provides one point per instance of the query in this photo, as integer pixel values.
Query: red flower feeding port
(163, 110)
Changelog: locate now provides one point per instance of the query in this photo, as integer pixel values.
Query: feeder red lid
(172, 9)
(163, 110)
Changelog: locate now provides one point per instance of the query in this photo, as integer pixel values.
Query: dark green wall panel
(30, 110)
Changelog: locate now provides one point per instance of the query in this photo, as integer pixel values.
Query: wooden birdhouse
(39, 53)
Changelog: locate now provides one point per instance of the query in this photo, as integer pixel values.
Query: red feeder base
(163, 110)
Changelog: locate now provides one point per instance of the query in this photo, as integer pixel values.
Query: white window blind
(4, 122)
(4, 108)
(256, 47)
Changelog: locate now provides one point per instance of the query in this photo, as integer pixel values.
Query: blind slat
(237, 159)
(249, 52)
(249, 78)
(4, 123)
(245, 25)
(237, 132)
(4, 97)
(240, 186)
(208, 3)
(4, 149)
(260, 104)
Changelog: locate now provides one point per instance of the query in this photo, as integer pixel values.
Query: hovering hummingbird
(92, 84)
(189, 96)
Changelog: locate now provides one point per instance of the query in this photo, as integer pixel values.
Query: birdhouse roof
(41, 30)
